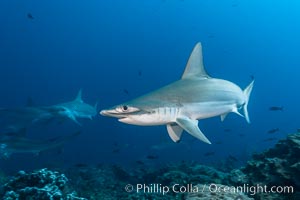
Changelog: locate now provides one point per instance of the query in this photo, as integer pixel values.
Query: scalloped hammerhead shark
(13, 121)
(182, 103)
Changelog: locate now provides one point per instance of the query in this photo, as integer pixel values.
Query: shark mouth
(121, 116)
(112, 113)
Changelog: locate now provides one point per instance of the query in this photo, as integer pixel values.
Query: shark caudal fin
(247, 92)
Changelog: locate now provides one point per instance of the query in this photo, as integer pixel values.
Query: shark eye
(126, 109)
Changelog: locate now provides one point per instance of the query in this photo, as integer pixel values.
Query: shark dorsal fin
(79, 96)
(195, 67)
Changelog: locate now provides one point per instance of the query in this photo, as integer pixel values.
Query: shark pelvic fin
(223, 116)
(191, 126)
(72, 117)
(235, 110)
(79, 96)
(195, 67)
(174, 131)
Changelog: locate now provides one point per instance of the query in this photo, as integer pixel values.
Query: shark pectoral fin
(174, 131)
(191, 126)
(72, 117)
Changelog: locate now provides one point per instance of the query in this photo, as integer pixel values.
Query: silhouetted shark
(14, 144)
(15, 120)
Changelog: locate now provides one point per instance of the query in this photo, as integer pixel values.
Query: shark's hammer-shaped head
(182, 103)
(122, 112)
(142, 115)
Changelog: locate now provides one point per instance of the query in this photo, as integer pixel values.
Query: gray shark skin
(74, 109)
(181, 104)
(12, 145)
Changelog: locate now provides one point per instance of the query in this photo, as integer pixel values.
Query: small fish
(276, 108)
(241, 135)
(227, 130)
(234, 3)
(140, 73)
(252, 77)
(140, 162)
(116, 150)
(274, 130)
(232, 158)
(115, 144)
(29, 16)
(210, 153)
(126, 91)
(80, 165)
(218, 142)
(211, 35)
(152, 157)
(269, 139)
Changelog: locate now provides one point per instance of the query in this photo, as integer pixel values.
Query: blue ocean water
(117, 50)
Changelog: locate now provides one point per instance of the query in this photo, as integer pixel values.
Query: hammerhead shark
(14, 144)
(13, 121)
(182, 103)
(74, 109)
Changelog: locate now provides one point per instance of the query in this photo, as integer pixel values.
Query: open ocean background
(118, 50)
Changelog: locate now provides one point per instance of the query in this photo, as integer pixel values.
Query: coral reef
(40, 185)
(109, 182)
(278, 166)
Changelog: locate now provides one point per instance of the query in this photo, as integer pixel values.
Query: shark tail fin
(247, 92)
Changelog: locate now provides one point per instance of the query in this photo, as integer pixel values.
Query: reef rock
(38, 185)
(278, 166)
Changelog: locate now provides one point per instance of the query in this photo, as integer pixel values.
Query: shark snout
(111, 113)
(103, 112)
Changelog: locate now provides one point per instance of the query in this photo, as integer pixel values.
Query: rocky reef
(278, 166)
(40, 185)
